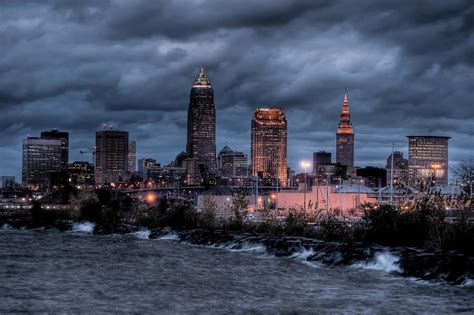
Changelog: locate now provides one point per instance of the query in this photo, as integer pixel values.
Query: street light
(305, 165)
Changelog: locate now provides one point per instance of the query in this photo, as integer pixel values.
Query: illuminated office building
(111, 164)
(201, 142)
(269, 145)
(427, 160)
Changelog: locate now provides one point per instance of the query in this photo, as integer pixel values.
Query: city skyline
(122, 78)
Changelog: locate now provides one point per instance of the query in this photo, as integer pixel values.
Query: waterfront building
(232, 163)
(374, 177)
(81, 173)
(345, 137)
(320, 158)
(41, 161)
(132, 156)
(201, 139)
(111, 165)
(400, 168)
(427, 160)
(269, 146)
(63, 136)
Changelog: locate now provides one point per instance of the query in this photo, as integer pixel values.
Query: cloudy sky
(75, 65)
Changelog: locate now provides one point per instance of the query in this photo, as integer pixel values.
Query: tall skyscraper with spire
(201, 145)
(345, 137)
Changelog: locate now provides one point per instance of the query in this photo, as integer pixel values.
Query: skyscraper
(132, 156)
(64, 138)
(201, 143)
(41, 160)
(428, 160)
(269, 145)
(345, 137)
(111, 164)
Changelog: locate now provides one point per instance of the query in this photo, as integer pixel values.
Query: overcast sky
(75, 65)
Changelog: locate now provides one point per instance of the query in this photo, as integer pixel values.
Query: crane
(92, 152)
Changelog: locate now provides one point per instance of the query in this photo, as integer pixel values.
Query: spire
(345, 125)
(202, 80)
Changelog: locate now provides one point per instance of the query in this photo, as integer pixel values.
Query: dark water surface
(47, 271)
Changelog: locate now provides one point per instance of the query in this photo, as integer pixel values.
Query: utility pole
(391, 176)
(340, 195)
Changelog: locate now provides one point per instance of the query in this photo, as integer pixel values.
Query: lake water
(48, 271)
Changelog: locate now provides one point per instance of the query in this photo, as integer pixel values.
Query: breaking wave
(246, 247)
(83, 227)
(383, 261)
(170, 236)
(6, 226)
(142, 234)
(468, 283)
(303, 254)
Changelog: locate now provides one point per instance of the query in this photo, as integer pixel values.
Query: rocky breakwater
(453, 267)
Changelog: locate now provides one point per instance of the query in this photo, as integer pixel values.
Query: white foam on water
(6, 226)
(142, 234)
(247, 247)
(83, 227)
(383, 261)
(468, 283)
(303, 254)
(170, 236)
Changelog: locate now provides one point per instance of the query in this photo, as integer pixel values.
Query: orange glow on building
(345, 137)
(269, 145)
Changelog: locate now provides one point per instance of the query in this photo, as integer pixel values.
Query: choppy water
(45, 271)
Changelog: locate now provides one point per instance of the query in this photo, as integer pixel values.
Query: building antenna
(345, 90)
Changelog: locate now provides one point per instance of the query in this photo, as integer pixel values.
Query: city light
(150, 197)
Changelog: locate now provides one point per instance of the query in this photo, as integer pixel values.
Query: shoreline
(452, 267)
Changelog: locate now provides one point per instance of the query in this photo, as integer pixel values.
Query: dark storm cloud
(75, 65)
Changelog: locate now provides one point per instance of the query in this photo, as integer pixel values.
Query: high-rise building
(269, 145)
(400, 168)
(428, 160)
(111, 163)
(132, 156)
(232, 163)
(320, 158)
(345, 137)
(64, 137)
(41, 160)
(201, 143)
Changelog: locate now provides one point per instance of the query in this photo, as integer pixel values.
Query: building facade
(111, 164)
(132, 156)
(400, 168)
(63, 136)
(232, 163)
(345, 137)
(201, 139)
(81, 173)
(41, 161)
(144, 165)
(427, 160)
(269, 146)
(320, 158)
